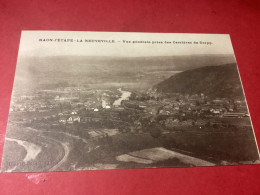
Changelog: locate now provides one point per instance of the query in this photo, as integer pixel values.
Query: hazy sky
(31, 46)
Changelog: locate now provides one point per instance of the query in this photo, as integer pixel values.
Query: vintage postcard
(110, 100)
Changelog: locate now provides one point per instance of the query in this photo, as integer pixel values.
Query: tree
(155, 131)
(215, 126)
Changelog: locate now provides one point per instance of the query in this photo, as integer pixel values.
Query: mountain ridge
(214, 81)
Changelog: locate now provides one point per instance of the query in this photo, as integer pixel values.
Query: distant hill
(143, 72)
(213, 81)
(98, 63)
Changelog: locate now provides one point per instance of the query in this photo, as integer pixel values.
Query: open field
(72, 149)
(219, 145)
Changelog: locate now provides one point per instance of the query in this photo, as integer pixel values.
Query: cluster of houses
(37, 103)
(218, 107)
(152, 103)
(174, 122)
(74, 117)
(31, 107)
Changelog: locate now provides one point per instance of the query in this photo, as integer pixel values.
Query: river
(125, 95)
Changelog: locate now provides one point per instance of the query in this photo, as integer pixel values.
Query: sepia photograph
(111, 100)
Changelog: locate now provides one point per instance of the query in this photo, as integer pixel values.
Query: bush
(155, 130)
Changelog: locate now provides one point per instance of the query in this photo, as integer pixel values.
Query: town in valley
(79, 126)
